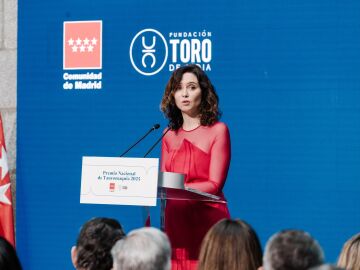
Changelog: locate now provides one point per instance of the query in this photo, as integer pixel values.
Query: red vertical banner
(6, 209)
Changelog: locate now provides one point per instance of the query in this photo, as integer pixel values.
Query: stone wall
(8, 67)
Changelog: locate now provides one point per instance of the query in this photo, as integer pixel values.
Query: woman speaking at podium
(197, 145)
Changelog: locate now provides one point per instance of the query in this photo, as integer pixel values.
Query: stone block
(1, 25)
(10, 24)
(7, 79)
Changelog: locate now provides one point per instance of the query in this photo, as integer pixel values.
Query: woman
(230, 245)
(350, 254)
(197, 145)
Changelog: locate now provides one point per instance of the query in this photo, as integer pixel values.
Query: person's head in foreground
(326, 267)
(8, 258)
(142, 249)
(230, 245)
(292, 250)
(190, 93)
(350, 254)
(95, 241)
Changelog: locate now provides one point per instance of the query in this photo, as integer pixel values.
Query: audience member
(292, 250)
(93, 248)
(8, 258)
(350, 254)
(230, 245)
(142, 249)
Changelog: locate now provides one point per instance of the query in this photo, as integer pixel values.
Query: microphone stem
(155, 144)
(137, 142)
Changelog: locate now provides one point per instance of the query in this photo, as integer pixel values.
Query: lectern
(135, 181)
(171, 186)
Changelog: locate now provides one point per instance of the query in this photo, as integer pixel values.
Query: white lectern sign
(123, 181)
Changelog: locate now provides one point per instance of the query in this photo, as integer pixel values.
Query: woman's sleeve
(219, 163)
(164, 155)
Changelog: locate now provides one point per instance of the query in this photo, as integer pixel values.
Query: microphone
(153, 146)
(156, 126)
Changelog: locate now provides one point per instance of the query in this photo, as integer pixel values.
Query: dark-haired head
(208, 111)
(8, 257)
(94, 243)
(230, 245)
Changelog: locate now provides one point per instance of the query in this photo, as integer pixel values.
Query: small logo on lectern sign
(148, 52)
(111, 187)
(82, 45)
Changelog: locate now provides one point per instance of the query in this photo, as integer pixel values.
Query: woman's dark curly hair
(96, 238)
(209, 111)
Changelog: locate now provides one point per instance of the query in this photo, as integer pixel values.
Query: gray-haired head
(292, 249)
(142, 249)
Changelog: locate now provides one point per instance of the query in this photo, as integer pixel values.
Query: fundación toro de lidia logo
(82, 50)
(150, 51)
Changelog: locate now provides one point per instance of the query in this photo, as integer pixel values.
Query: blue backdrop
(287, 74)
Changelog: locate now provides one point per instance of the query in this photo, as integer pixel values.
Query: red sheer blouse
(203, 154)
